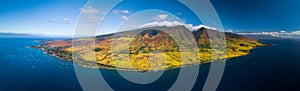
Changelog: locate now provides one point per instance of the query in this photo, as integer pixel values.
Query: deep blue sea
(274, 67)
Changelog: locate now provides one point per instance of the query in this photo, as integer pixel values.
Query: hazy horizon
(57, 17)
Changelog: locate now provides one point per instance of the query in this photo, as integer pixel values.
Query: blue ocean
(273, 67)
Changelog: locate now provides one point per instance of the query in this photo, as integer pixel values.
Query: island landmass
(144, 44)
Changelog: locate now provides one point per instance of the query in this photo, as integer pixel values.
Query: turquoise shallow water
(266, 68)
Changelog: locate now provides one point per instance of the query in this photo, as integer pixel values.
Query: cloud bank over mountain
(172, 24)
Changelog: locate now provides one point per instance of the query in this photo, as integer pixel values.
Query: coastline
(93, 65)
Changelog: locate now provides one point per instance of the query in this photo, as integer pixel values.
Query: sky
(60, 17)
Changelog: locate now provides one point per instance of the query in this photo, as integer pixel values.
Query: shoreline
(84, 64)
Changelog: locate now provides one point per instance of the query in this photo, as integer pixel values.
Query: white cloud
(295, 33)
(260, 33)
(119, 12)
(125, 18)
(125, 12)
(171, 24)
(281, 34)
(200, 26)
(66, 19)
(161, 17)
(283, 31)
(63, 21)
(277, 34)
(230, 31)
(54, 21)
(93, 19)
(163, 23)
(89, 10)
(116, 12)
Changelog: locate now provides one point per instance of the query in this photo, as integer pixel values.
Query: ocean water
(274, 67)
(23, 68)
